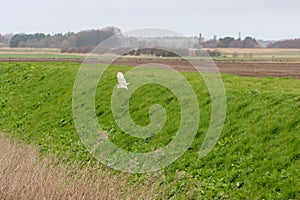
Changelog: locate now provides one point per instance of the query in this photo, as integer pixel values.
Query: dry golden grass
(25, 176)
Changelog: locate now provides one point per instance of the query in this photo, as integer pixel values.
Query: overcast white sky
(262, 19)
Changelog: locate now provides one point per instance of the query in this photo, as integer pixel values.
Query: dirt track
(243, 68)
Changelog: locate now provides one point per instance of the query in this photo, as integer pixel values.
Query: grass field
(28, 50)
(258, 54)
(36, 53)
(46, 56)
(257, 156)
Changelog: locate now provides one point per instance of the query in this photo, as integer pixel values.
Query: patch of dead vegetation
(24, 175)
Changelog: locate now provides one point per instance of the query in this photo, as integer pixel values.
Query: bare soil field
(289, 69)
(261, 69)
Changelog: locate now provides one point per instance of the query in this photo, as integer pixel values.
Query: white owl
(121, 80)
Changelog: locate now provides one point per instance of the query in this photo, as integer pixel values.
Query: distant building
(200, 38)
(215, 38)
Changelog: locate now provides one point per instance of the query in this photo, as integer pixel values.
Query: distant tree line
(248, 42)
(80, 40)
(293, 44)
(230, 42)
(4, 39)
(86, 41)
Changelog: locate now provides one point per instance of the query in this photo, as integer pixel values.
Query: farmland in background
(225, 54)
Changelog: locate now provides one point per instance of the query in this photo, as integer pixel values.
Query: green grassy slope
(257, 156)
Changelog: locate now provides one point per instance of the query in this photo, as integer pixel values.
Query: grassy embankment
(257, 156)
